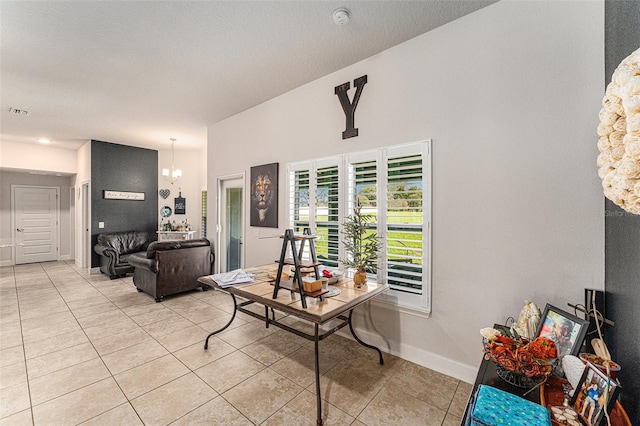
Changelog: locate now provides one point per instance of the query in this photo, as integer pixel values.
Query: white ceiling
(141, 72)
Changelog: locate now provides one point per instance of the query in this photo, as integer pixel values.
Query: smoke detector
(341, 16)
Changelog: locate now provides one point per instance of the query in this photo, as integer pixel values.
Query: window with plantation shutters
(405, 221)
(393, 186)
(327, 215)
(299, 200)
(362, 183)
(314, 203)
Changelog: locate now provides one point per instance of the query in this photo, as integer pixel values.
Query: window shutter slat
(327, 215)
(404, 223)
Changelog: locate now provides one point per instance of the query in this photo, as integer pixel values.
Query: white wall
(191, 184)
(23, 156)
(83, 175)
(510, 96)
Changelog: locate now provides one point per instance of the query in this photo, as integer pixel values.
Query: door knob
(20, 229)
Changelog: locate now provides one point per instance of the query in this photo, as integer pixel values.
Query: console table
(318, 311)
(175, 235)
(548, 394)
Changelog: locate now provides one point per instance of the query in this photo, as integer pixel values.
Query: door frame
(14, 232)
(85, 223)
(220, 215)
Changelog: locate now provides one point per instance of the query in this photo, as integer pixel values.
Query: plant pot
(359, 278)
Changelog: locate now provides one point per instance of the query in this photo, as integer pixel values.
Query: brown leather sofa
(170, 267)
(115, 248)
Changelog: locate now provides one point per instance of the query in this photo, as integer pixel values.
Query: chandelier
(174, 174)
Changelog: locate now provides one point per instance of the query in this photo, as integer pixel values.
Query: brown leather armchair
(115, 248)
(170, 267)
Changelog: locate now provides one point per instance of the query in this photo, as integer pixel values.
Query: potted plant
(362, 245)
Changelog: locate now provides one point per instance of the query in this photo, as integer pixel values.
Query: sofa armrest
(139, 260)
(105, 251)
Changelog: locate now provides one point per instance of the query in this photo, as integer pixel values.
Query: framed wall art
(180, 204)
(123, 195)
(264, 196)
(565, 329)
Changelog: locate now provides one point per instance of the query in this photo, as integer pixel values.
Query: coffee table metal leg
(233, 316)
(361, 342)
(317, 365)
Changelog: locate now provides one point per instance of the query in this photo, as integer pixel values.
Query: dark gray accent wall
(622, 231)
(117, 167)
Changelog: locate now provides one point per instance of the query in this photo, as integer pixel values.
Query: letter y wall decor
(349, 107)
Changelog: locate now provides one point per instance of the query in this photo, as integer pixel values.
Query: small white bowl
(336, 276)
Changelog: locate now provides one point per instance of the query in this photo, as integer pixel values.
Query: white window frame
(418, 304)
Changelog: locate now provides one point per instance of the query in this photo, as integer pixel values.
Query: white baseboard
(94, 271)
(65, 257)
(6, 262)
(457, 370)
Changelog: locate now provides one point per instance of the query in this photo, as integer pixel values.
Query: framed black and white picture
(264, 196)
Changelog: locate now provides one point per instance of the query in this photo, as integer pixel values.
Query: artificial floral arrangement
(533, 358)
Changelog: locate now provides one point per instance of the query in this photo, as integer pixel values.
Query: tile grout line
(24, 351)
(92, 345)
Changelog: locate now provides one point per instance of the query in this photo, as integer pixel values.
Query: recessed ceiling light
(44, 141)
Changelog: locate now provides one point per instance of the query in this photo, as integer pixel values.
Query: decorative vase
(359, 277)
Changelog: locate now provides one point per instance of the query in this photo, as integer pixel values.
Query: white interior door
(35, 211)
(230, 224)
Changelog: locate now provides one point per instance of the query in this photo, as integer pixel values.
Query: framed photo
(594, 393)
(565, 329)
(264, 196)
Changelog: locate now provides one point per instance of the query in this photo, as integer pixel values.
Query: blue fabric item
(496, 407)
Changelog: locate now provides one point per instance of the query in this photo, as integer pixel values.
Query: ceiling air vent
(18, 111)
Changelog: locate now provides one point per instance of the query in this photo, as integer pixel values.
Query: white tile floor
(83, 349)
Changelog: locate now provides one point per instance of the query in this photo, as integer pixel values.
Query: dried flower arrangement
(619, 136)
(533, 358)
